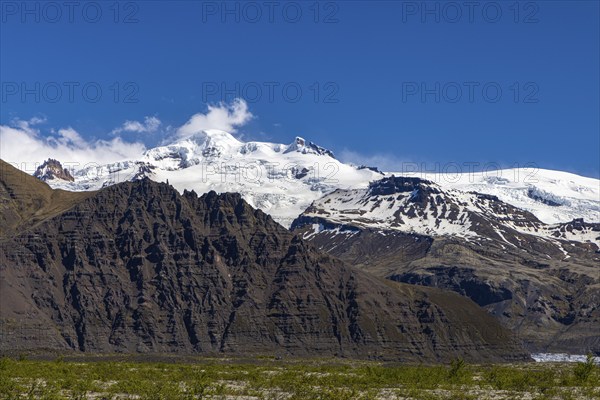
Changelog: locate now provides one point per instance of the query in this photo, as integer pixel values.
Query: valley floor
(237, 379)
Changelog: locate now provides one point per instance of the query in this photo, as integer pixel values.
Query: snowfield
(283, 180)
(431, 210)
(552, 196)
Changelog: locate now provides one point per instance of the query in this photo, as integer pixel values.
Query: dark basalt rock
(461, 280)
(320, 150)
(139, 268)
(485, 196)
(299, 173)
(392, 185)
(374, 169)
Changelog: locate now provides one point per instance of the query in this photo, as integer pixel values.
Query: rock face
(52, 169)
(542, 281)
(137, 267)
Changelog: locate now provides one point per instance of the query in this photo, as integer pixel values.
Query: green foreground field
(300, 379)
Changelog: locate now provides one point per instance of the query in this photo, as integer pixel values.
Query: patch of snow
(317, 228)
(561, 357)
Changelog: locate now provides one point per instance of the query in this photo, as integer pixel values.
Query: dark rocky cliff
(137, 267)
(544, 288)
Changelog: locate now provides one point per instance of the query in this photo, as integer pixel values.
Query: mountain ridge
(284, 179)
(139, 267)
(540, 280)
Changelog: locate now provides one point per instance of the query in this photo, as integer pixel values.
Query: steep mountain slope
(283, 180)
(137, 267)
(25, 201)
(542, 281)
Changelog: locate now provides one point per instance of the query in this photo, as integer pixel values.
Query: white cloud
(67, 137)
(150, 125)
(21, 144)
(226, 117)
(28, 125)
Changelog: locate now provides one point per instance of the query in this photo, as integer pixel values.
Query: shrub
(583, 370)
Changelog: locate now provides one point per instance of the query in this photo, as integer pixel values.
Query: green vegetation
(292, 380)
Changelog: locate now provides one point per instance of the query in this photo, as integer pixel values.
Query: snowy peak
(300, 145)
(52, 170)
(207, 145)
(284, 179)
(211, 146)
(280, 179)
(398, 203)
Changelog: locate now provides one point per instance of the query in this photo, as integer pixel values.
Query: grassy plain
(243, 379)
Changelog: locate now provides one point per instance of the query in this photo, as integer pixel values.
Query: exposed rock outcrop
(542, 281)
(138, 267)
(53, 169)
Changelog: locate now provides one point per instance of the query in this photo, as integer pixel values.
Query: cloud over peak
(226, 117)
(22, 142)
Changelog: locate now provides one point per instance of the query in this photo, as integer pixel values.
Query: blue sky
(381, 82)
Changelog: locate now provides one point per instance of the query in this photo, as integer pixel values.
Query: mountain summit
(53, 170)
(279, 179)
(305, 147)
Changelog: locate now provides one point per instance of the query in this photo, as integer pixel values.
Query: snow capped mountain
(552, 196)
(541, 280)
(417, 206)
(280, 179)
(283, 180)
(95, 176)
